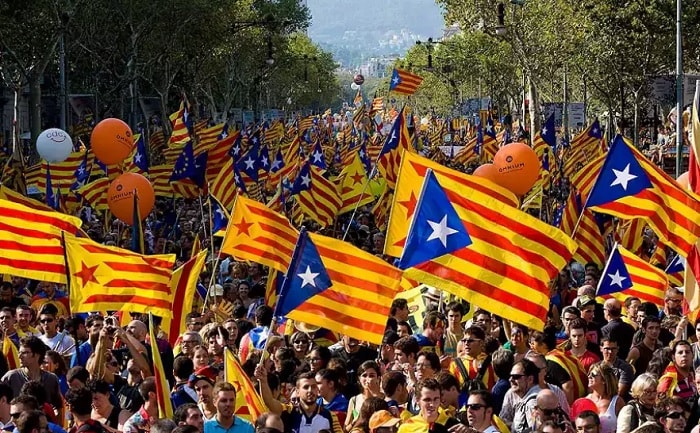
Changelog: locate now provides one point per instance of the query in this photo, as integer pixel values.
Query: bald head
(586, 290)
(613, 308)
(547, 400)
(138, 329)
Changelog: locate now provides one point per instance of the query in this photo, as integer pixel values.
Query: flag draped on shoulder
(30, 240)
(249, 405)
(110, 278)
(627, 275)
(9, 350)
(258, 234)
(511, 260)
(630, 186)
(362, 289)
(165, 405)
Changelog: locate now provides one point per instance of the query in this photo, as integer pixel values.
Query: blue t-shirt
(239, 426)
(81, 356)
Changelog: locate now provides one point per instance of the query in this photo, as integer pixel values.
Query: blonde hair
(608, 375)
(644, 380)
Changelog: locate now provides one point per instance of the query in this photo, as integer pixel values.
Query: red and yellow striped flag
(95, 193)
(15, 197)
(224, 186)
(319, 200)
(249, 405)
(181, 133)
(358, 302)
(648, 283)
(352, 182)
(30, 241)
(9, 350)
(397, 143)
(115, 279)
(259, 234)
(401, 212)
(165, 405)
(183, 285)
(513, 257)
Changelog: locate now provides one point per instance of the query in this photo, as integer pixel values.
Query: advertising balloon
(120, 196)
(359, 79)
(518, 167)
(683, 180)
(487, 171)
(112, 141)
(54, 145)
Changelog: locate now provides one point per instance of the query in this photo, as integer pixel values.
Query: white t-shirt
(61, 343)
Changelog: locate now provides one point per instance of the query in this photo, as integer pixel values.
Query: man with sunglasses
(520, 400)
(467, 368)
(672, 414)
(480, 411)
(60, 342)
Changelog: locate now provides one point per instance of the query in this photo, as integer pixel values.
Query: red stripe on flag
(131, 284)
(128, 299)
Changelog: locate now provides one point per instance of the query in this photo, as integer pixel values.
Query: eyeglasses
(419, 366)
(189, 341)
(672, 300)
(675, 415)
(548, 412)
(15, 415)
(301, 342)
(593, 375)
(517, 376)
(475, 406)
(46, 320)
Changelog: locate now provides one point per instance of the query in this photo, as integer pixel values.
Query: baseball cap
(207, 373)
(382, 418)
(585, 301)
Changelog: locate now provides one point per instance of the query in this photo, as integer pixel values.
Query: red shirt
(587, 359)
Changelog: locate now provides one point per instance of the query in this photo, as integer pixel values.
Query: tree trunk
(34, 108)
(533, 99)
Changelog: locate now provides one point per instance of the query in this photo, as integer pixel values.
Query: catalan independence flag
(9, 350)
(249, 404)
(631, 186)
(404, 82)
(583, 147)
(317, 196)
(628, 275)
(588, 234)
(512, 258)
(165, 405)
(183, 285)
(405, 205)
(258, 234)
(358, 302)
(95, 193)
(110, 278)
(396, 144)
(30, 241)
(692, 270)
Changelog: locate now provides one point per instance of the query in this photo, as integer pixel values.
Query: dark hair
(263, 315)
(92, 319)
(406, 324)
(391, 380)
(185, 428)
(432, 319)
(664, 405)
(432, 358)
(529, 368)
(397, 304)
(78, 372)
(183, 367)
(34, 344)
(502, 361)
(99, 386)
(589, 414)
(305, 376)
(330, 375)
(180, 414)
(484, 395)
(431, 384)
(650, 319)
(457, 307)
(36, 389)
(369, 407)
(407, 345)
(73, 323)
(570, 309)
(476, 331)
(163, 425)
(29, 421)
(80, 401)
(578, 324)
(5, 391)
(48, 309)
(29, 401)
(147, 386)
(217, 330)
(61, 368)
(447, 380)
(390, 337)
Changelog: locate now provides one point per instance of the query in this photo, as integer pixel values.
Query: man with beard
(677, 378)
(304, 415)
(225, 421)
(480, 411)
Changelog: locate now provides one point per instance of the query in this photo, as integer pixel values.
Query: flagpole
(218, 254)
(607, 265)
(369, 178)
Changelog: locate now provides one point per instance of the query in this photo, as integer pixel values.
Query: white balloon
(54, 145)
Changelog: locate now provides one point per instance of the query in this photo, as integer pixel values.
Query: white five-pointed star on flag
(308, 277)
(396, 80)
(623, 177)
(441, 231)
(249, 163)
(306, 180)
(616, 279)
(276, 164)
(544, 131)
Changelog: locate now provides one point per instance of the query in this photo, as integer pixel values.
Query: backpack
(477, 383)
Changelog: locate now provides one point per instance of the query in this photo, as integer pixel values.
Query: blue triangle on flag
(615, 277)
(676, 265)
(436, 229)
(307, 276)
(621, 176)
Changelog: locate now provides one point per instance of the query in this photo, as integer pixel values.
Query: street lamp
(500, 15)
(429, 46)
(270, 60)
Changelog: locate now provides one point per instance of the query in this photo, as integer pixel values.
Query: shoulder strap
(462, 370)
(484, 366)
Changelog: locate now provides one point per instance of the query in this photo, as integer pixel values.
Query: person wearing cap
(383, 422)
(202, 381)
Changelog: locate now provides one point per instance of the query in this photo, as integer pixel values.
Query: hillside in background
(355, 30)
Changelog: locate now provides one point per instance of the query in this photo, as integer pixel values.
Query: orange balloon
(120, 196)
(112, 141)
(683, 180)
(487, 171)
(518, 167)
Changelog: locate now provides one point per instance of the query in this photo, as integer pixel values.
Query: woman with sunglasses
(602, 385)
(301, 343)
(641, 408)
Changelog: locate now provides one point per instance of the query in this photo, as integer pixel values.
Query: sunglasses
(517, 376)
(549, 412)
(675, 415)
(475, 406)
(46, 320)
